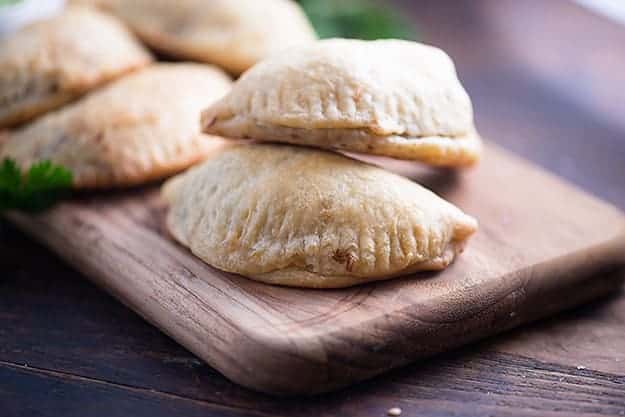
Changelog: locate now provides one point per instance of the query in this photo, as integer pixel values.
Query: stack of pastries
(82, 91)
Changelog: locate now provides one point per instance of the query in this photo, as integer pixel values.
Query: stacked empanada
(395, 98)
(302, 217)
(310, 218)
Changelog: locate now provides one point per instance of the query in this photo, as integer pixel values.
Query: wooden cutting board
(540, 248)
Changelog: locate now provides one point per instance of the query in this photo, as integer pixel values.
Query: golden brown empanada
(233, 34)
(51, 62)
(395, 98)
(302, 217)
(139, 128)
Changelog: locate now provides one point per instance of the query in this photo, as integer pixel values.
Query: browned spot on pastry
(347, 257)
(325, 214)
(209, 121)
(377, 129)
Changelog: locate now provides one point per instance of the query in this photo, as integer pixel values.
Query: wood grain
(52, 318)
(61, 331)
(503, 385)
(539, 244)
(105, 399)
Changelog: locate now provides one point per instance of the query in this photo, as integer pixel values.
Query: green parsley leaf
(361, 19)
(37, 189)
(8, 2)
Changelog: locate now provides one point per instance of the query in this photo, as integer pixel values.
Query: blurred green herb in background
(361, 19)
(8, 2)
(38, 188)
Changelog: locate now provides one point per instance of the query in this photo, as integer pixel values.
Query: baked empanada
(395, 98)
(233, 34)
(139, 128)
(51, 62)
(303, 217)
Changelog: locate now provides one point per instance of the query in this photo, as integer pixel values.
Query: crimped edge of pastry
(297, 276)
(133, 174)
(444, 151)
(30, 106)
(124, 173)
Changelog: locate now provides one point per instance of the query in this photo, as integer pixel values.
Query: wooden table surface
(548, 82)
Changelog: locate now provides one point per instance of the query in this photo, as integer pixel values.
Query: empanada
(303, 217)
(139, 128)
(51, 62)
(389, 97)
(233, 34)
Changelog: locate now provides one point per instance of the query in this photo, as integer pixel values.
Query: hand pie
(396, 98)
(302, 217)
(233, 34)
(139, 128)
(54, 61)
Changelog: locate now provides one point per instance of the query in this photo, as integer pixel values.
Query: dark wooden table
(548, 82)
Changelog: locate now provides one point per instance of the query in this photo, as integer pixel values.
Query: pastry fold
(303, 217)
(395, 98)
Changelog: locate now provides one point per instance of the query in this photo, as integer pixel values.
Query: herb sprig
(362, 19)
(36, 189)
(8, 2)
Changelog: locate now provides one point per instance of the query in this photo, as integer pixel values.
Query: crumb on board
(394, 412)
